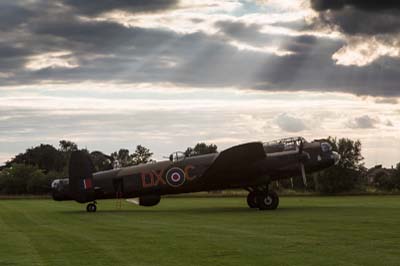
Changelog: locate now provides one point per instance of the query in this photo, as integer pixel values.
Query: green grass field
(203, 231)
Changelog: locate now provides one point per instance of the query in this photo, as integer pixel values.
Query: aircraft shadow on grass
(218, 210)
(209, 210)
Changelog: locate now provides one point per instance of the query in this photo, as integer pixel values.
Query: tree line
(32, 172)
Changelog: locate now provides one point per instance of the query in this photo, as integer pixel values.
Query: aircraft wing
(234, 163)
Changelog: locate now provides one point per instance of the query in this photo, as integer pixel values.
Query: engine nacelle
(60, 189)
(149, 200)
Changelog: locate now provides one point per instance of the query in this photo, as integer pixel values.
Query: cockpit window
(283, 145)
(326, 147)
(177, 156)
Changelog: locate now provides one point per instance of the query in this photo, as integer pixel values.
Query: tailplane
(81, 171)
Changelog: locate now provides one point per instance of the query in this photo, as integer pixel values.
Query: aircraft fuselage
(189, 174)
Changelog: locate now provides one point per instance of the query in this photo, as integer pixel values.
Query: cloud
(137, 6)
(163, 119)
(290, 123)
(386, 100)
(56, 44)
(362, 122)
(372, 28)
(13, 15)
(104, 51)
(254, 35)
(389, 123)
(367, 5)
(12, 58)
(354, 21)
(361, 51)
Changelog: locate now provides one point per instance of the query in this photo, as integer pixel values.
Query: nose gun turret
(60, 189)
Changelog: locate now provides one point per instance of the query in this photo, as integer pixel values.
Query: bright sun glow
(63, 59)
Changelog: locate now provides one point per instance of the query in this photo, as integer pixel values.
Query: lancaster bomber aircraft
(251, 166)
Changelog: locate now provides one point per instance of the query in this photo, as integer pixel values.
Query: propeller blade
(301, 147)
(302, 157)
(303, 174)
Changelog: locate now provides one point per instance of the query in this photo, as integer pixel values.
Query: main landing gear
(91, 207)
(263, 199)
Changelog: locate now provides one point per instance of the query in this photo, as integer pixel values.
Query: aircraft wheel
(268, 201)
(91, 207)
(252, 200)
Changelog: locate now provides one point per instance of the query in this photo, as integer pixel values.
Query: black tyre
(91, 207)
(269, 201)
(251, 200)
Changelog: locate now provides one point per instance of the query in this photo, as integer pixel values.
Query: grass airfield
(363, 230)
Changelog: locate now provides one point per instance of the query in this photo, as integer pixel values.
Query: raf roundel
(175, 177)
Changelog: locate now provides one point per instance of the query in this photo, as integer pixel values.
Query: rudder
(81, 171)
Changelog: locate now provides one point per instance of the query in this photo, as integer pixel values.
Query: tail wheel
(252, 200)
(91, 207)
(268, 201)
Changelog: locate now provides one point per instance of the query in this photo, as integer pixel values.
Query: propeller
(301, 163)
(303, 174)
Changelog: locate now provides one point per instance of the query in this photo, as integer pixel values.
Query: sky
(168, 74)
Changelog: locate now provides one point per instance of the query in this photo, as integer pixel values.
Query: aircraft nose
(336, 157)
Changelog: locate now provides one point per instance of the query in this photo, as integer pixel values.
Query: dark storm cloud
(11, 57)
(354, 21)
(239, 29)
(101, 36)
(368, 5)
(134, 54)
(134, 6)
(296, 25)
(8, 51)
(12, 15)
(310, 72)
(359, 17)
(251, 34)
(109, 51)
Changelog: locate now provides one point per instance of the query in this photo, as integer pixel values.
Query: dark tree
(347, 175)
(396, 177)
(101, 161)
(201, 148)
(32, 171)
(122, 157)
(350, 152)
(22, 179)
(67, 146)
(388, 180)
(44, 156)
(141, 155)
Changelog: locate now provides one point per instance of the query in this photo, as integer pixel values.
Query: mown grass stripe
(203, 231)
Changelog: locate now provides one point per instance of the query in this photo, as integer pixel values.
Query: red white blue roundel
(175, 177)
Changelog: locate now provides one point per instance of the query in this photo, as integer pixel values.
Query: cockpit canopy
(283, 145)
(177, 156)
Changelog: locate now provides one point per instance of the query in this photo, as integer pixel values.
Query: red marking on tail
(87, 183)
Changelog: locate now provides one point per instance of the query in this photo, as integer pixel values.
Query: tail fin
(81, 171)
